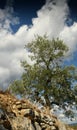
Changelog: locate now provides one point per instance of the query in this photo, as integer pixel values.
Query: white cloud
(6, 18)
(69, 36)
(50, 20)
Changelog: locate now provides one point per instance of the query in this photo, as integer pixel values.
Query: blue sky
(20, 20)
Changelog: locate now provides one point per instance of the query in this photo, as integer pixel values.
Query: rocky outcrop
(23, 115)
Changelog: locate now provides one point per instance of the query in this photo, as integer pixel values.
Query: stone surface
(23, 115)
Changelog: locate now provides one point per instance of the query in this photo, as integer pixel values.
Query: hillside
(23, 115)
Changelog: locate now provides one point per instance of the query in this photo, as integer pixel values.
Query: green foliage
(17, 87)
(47, 76)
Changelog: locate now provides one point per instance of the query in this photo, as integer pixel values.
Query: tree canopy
(48, 80)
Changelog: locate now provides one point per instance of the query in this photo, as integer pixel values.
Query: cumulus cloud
(51, 19)
(69, 36)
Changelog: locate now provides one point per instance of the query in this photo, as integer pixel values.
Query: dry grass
(74, 127)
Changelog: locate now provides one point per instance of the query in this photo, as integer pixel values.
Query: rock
(53, 128)
(37, 126)
(23, 115)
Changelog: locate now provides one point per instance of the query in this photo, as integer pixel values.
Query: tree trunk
(23, 115)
